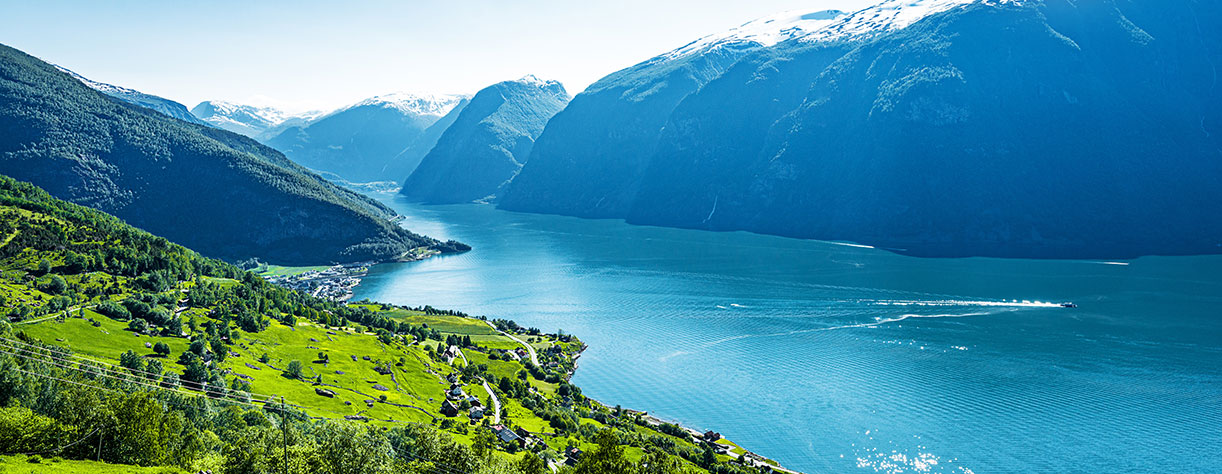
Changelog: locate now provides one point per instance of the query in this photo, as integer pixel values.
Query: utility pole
(101, 433)
(284, 425)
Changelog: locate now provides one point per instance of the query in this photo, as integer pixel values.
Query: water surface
(837, 358)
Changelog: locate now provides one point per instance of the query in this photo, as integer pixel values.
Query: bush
(113, 310)
(293, 371)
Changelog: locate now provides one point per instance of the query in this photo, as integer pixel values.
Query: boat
(1068, 305)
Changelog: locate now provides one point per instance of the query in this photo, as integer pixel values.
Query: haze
(305, 55)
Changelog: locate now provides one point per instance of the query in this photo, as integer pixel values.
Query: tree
(658, 462)
(219, 350)
(708, 458)
(532, 464)
(197, 347)
(196, 372)
(153, 369)
(293, 371)
(352, 448)
(138, 326)
(162, 349)
(56, 285)
(606, 458)
(44, 266)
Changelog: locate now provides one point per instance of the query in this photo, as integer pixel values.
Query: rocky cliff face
(485, 147)
(1046, 129)
(378, 139)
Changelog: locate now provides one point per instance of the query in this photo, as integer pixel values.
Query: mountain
(936, 127)
(487, 144)
(259, 123)
(377, 139)
(591, 155)
(132, 96)
(221, 193)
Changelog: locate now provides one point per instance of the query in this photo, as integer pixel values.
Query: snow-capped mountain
(762, 32)
(382, 138)
(415, 104)
(159, 104)
(254, 122)
(1052, 128)
(890, 15)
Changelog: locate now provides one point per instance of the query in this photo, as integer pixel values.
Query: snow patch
(416, 104)
(763, 32)
(890, 15)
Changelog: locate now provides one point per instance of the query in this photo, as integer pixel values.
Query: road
(534, 358)
(496, 403)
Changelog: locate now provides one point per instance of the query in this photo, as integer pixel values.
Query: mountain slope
(372, 140)
(957, 127)
(590, 158)
(487, 144)
(221, 193)
(132, 96)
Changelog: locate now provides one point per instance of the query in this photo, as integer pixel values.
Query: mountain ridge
(485, 147)
(168, 176)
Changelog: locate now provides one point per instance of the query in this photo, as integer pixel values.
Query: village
(334, 283)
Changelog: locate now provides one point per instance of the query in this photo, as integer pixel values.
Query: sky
(311, 55)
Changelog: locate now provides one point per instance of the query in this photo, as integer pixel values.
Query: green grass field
(21, 465)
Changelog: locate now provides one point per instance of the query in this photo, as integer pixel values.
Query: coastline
(721, 445)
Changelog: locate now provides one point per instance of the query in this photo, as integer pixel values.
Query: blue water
(834, 358)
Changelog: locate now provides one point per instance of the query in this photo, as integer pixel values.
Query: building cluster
(335, 283)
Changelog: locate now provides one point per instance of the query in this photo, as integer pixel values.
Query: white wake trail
(877, 322)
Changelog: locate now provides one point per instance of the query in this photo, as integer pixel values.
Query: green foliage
(293, 370)
(60, 133)
(22, 430)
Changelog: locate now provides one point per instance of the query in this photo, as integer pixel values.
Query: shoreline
(721, 445)
(749, 457)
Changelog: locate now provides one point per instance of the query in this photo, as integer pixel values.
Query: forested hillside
(221, 193)
(122, 346)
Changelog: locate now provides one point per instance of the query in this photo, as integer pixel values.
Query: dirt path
(56, 315)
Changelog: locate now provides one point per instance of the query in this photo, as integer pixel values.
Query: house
(573, 455)
(476, 413)
(451, 352)
(711, 436)
(474, 400)
(454, 393)
(504, 434)
(449, 408)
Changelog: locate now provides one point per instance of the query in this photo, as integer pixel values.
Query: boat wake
(878, 321)
(1001, 303)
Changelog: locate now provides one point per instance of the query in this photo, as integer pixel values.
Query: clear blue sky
(319, 55)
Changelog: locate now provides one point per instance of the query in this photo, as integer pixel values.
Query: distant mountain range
(935, 127)
(219, 192)
(259, 123)
(485, 147)
(132, 96)
(378, 139)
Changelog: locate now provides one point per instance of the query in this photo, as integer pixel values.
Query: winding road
(534, 358)
(496, 403)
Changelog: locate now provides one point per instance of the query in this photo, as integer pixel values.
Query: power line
(56, 450)
(103, 365)
(75, 355)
